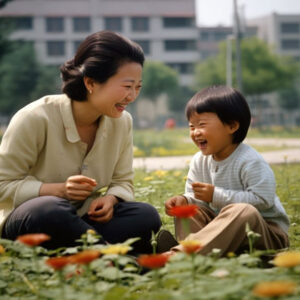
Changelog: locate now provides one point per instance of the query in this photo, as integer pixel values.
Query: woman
(59, 151)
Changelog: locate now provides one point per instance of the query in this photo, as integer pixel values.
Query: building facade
(280, 31)
(166, 29)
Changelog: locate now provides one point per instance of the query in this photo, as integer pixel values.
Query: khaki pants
(226, 231)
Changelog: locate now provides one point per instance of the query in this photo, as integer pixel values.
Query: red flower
(84, 257)
(184, 211)
(153, 261)
(57, 263)
(33, 239)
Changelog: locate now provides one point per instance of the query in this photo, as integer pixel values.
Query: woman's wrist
(53, 189)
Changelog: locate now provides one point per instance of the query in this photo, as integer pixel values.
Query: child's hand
(174, 201)
(203, 191)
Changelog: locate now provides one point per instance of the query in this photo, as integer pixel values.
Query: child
(229, 181)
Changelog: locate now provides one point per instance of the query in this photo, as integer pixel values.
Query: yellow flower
(190, 246)
(274, 288)
(160, 173)
(177, 173)
(91, 231)
(2, 250)
(184, 178)
(287, 259)
(116, 249)
(230, 254)
(148, 178)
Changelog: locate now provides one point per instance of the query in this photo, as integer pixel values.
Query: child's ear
(234, 126)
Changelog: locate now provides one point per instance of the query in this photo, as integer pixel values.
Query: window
(81, 24)
(23, 23)
(290, 44)
(289, 27)
(56, 48)
(204, 36)
(76, 45)
(54, 24)
(173, 22)
(180, 45)
(140, 24)
(113, 23)
(145, 45)
(182, 68)
(219, 36)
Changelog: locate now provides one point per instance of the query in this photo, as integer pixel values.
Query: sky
(219, 12)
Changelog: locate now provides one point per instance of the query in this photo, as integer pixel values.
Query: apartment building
(166, 29)
(210, 37)
(281, 31)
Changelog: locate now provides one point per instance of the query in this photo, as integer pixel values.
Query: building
(210, 37)
(280, 31)
(166, 29)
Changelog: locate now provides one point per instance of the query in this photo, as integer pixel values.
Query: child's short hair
(229, 105)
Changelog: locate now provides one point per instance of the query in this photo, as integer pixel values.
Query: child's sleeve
(259, 187)
(193, 175)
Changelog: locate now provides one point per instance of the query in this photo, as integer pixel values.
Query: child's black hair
(229, 105)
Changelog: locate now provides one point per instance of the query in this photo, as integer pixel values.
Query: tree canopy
(263, 71)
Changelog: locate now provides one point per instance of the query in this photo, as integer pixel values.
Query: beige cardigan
(42, 145)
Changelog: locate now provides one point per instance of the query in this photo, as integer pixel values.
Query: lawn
(176, 142)
(24, 273)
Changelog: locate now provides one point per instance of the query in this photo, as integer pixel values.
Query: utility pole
(229, 40)
(237, 34)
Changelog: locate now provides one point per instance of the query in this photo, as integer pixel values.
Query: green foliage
(262, 70)
(18, 73)
(289, 98)
(23, 79)
(158, 78)
(24, 274)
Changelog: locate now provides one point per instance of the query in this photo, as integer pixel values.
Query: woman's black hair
(99, 56)
(229, 105)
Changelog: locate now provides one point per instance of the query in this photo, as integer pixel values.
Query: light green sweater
(42, 145)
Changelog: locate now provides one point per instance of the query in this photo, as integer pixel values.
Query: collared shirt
(42, 145)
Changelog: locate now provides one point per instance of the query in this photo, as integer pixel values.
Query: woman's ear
(89, 84)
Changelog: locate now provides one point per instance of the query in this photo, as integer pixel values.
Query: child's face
(212, 136)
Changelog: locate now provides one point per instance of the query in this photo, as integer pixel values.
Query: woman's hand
(174, 201)
(78, 187)
(203, 191)
(102, 209)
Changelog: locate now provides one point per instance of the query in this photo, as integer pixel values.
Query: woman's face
(112, 97)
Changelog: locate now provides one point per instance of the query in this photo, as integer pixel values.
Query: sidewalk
(180, 162)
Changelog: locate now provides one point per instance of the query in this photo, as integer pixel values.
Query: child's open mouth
(202, 144)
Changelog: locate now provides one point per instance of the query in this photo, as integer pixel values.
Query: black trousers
(57, 217)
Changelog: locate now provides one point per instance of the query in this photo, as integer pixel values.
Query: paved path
(272, 157)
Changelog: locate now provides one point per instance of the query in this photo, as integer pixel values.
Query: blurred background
(189, 44)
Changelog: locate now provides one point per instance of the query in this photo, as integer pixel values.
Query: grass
(176, 142)
(24, 274)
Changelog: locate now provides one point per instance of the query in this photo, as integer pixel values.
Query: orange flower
(153, 261)
(274, 288)
(57, 263)
(84, 257)
(190, 246)
(184, 211)
(33, 239)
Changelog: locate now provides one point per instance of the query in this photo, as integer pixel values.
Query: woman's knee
(48, 208)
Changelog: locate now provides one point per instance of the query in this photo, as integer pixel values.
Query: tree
(262, 70)
(5, 30)
(158, 79)
(19, 71)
